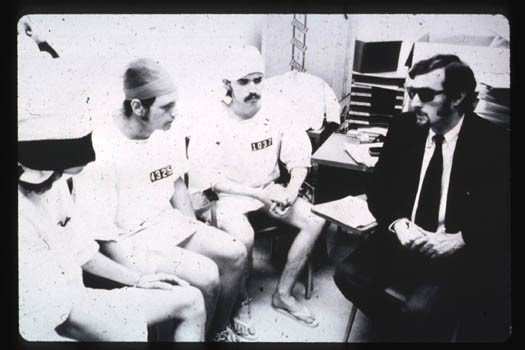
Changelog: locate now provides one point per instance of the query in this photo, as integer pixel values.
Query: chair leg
(455, 333)
(309, 281)
(351, 319)
(158, 333)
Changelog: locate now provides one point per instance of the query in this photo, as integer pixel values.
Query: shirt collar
(449, 136)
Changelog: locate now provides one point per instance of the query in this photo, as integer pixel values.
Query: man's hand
(282, 198)
(160, 281)
(439, 244)
(276, 193)
(407, 232)
(281, 194)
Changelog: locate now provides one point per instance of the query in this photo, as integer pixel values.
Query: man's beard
(444, 112)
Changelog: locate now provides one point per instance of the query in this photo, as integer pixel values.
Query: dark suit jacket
(478, 201)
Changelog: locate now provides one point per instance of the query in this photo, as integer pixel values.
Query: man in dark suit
(440, 193)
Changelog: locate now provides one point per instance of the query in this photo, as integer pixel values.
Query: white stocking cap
(241, 61)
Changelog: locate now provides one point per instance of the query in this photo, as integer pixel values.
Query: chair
(398, 297)
(391, 297)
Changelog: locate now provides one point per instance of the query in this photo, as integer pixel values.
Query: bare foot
(291, 306)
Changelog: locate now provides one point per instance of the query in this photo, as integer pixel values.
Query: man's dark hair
(458, 78)
(146, 103)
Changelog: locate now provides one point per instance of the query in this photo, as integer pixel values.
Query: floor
(327, 302)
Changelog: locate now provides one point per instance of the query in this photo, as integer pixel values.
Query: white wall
(326, 42)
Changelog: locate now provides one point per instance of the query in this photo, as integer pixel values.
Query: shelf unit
(374, 98)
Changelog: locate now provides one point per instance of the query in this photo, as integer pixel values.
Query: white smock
(125, 193)
(53, 245)
(246, 151)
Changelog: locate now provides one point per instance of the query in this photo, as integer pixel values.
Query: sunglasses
(425, 94)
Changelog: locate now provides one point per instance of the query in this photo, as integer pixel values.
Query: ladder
(298, 42)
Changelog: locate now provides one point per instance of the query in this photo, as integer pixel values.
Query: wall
(409, 28)
(326, 42)
(185, 44)
(330, 39)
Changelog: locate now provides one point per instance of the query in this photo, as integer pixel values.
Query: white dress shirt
(449, 146)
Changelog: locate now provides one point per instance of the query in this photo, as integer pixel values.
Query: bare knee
(246, 237)
(208, 279)
(193, 307)
(235, 254)
(240, 229)
(313, 224)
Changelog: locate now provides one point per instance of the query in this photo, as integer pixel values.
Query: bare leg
(109, 315)
(310, 226)
(239, 226)
(230, 256)
(199, 271)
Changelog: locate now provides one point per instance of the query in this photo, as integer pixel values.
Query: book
(350, 212)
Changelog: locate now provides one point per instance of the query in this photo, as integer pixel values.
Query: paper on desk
(359, 152)
(350, 211)
(378, 130)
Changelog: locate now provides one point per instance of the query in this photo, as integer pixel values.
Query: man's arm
(297, 177)
(181, 198)
(101, 265)
(383, 181)
(286, 196)
(228, 186)
(114, 250)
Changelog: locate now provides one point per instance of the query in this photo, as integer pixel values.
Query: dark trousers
(426, 309)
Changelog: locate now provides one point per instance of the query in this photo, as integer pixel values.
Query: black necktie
(428, 207)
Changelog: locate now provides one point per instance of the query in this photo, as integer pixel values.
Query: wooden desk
(332, 153)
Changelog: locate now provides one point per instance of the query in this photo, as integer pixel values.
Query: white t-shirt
(247, 151)
(130, 183)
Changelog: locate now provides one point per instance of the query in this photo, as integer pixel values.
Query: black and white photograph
(278, 178)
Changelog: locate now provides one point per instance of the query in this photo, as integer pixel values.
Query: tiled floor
(327, 302)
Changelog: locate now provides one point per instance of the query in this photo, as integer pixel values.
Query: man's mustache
(251, 96)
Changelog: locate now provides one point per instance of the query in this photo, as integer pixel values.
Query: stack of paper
(350, 212)
(359, 152)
